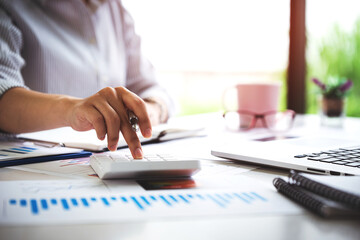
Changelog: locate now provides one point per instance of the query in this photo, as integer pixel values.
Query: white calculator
(116, 165)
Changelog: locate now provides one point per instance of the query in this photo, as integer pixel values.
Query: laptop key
(327, 152)
(340, 162)
(353, 164)
(329, 160)
(319, 158)
(336, 151)
(349, 160)
(350, 152)
(351, 148)
(313, 154)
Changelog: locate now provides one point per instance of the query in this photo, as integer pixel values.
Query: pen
(133, 120)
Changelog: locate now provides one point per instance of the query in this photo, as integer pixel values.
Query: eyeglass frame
(256, 116)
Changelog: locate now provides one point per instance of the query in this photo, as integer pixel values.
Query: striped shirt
(69, 47)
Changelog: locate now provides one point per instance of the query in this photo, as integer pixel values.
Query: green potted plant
(333, 94)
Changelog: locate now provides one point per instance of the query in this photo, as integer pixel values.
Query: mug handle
(225, 102)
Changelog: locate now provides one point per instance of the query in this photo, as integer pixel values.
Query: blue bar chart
(137, 206)
(6, 152)
(141, 202)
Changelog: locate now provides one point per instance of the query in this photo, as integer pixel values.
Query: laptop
(316, 154)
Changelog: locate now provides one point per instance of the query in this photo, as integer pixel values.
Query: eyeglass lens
(278, 121)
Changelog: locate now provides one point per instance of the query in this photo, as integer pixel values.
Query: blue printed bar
(173, 198)
(165, 200)
(74, 202)
(222, 198)
(242, 198)
(29, 148)
(23, 203)
(44, 204)
(248, 196)
(228, 196)
(12, 151)
(183, 198)
(20, 149)
(65, 204)
(258, 196)
(105, 201)
(34, 207)
(85, 202)
(200, 196)
(215, 200)
(145, 200)
(137, 203)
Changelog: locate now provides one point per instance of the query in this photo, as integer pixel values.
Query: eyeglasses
(273, 120)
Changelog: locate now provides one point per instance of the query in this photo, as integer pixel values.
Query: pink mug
(255, 97)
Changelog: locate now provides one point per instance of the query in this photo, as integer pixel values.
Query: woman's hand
(23, 110)
(107, 113)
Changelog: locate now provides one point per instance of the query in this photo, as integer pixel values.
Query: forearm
(23, 110)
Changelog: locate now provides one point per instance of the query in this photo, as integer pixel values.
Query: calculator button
(119, 159)
(139, 160)
(157, 159)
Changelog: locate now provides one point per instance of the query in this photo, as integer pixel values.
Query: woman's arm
(23, 110)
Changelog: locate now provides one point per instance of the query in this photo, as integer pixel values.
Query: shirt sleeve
(11, 61)
(140, 73)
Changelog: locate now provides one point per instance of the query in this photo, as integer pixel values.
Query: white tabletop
(299, 226)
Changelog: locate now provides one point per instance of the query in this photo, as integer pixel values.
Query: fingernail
(148, 132)
(138, 153)
(113, 147)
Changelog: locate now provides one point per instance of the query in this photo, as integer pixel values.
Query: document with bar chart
(23, 152)
(88, 202)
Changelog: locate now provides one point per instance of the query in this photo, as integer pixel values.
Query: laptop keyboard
(347, 156)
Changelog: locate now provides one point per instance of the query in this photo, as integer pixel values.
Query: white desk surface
(303, 226)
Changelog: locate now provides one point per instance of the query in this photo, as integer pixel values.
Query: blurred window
(200, 47)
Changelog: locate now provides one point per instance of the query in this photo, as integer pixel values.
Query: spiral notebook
(327, 196)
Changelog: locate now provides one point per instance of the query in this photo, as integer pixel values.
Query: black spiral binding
(348, 199)
(300, 197)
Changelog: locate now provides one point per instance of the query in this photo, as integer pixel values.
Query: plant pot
(332, 111)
